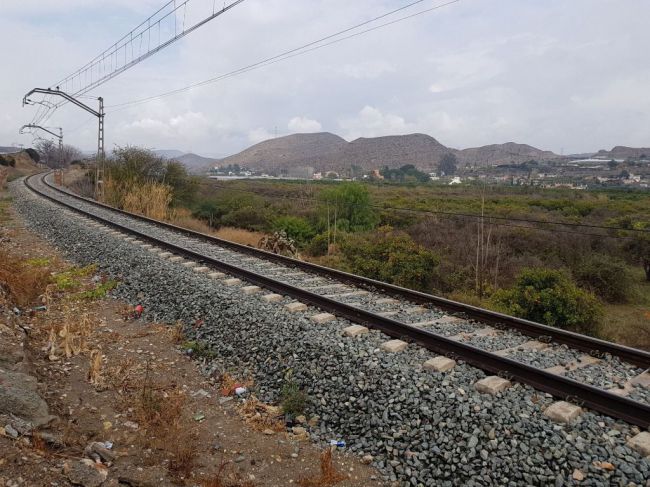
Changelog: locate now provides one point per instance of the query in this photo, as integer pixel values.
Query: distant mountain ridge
(622, 152)
(193, 162)
(328, 152)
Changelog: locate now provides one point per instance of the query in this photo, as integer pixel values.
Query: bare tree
(49, 152)
(69, 154)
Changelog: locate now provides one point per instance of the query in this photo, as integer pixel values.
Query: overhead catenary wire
(297, 51)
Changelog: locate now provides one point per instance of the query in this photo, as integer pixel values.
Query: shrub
(296, 228)
(292, 399)
(391, 257)
(350, 203)
(607, 277)
(318, 245)
(549, 296)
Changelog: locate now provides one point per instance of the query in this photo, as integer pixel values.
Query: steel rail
(597, 399)
(590, 345)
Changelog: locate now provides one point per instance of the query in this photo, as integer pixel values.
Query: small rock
(578, 475)
(86, 473)
(10, 431)
(367, 459)
(240, 459)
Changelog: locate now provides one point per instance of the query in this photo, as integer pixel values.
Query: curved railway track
(310, 283)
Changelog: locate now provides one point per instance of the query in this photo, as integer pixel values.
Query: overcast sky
(562, 75)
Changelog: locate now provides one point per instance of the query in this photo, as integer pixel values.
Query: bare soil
(123, 387)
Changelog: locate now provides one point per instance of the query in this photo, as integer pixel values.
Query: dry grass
(238, 235)
(22, 283)
(225, 478)
(94, 375)
(261, 416)
(4, 174)
(151, 199)
(182, 217)
(183, 452)
(328, 473)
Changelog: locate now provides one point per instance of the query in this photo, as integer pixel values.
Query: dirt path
(115, 401)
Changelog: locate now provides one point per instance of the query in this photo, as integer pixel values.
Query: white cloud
(259, 135)
(367, 69)
(372, 122)
(304, 125)
(468, 74)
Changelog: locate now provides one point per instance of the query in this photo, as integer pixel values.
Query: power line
(137, 45)
(467, 216)
(297, 51)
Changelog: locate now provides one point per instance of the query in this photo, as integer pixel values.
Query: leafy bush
(318, 245)
(296, 228)
(391, 257)
(607, 277)
(350, 204)
(248, 217)
(549, 296)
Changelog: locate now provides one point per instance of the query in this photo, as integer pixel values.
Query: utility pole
(100, 135)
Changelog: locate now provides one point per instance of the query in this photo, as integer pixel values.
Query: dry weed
(183, 452)
(328, 473)
(224, 478)
(261, 416)
(241, 236)
(94, 375)
(22, 283)
(151, 200)
(176, 333)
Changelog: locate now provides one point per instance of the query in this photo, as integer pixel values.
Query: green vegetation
(38, 262)
(299, 229)
(98, 292)
(292, 399)
(548, 296)
(199, 349)
(609, 278)
(69, 279)
(391, 257)
(428, 236)
(405, 174)
(347, 205)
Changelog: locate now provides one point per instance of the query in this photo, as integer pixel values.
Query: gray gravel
(611, 372)
(422, 428)
(550, 357)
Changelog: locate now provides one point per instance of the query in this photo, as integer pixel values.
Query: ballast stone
(251, 289)
(272, 298)
(295, 307)
(641, 443)
(394, 346)
(354, 330)
(439, 364)
(492, 384)
(321, 318)
(562, 412)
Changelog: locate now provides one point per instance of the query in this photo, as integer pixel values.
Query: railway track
(548, 359)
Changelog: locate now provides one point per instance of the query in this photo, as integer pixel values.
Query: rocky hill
(326, 151)
(313, 150)
(496, 154)
(622, 152)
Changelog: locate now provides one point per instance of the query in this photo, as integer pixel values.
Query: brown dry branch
(261, 416)
(328, 473)
(95, 369)
(226, 478)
